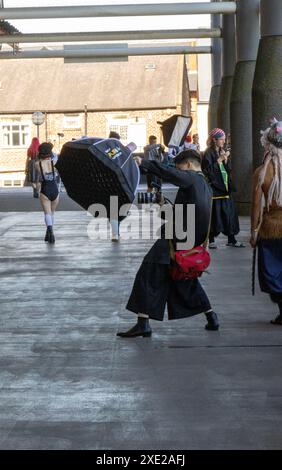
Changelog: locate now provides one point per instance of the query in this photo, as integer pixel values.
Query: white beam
(118, 10)
(112, 36)
(118, 52)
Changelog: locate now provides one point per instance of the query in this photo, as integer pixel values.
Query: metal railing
(97, 11)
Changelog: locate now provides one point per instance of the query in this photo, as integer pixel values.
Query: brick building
(85, 98)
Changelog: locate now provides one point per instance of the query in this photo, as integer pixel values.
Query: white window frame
(115, 123)
(76, 121)
(15, 123)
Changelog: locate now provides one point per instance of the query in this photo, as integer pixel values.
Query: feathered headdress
(271, 140)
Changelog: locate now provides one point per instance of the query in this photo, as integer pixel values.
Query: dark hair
(114, 135)
(152, 137)
(45, 149)
(211, 144)
(188, 156)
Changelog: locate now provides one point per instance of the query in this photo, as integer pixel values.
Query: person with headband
(47, 186)
(217, 169)
(266, 216)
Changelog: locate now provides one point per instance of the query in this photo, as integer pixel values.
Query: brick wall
(194, 102)
(14, 158)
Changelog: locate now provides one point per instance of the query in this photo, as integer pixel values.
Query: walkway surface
(67, 381)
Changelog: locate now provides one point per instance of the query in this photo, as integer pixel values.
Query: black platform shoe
(142, 328)
(46, 239)
(50, 234)
(213, 324)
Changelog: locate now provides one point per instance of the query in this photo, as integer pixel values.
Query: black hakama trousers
(224, 218)
(153, 289)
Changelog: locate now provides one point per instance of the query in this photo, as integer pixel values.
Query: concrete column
(267, 86)
(216, 66)
(247, 40)
(228, 66)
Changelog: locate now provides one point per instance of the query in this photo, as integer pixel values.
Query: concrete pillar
(228, 66)
(247, 40)
(216, 66)
(267, 86)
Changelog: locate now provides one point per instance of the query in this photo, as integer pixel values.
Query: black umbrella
(93, 169)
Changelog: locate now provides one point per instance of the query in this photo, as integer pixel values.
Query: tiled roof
(151, 82)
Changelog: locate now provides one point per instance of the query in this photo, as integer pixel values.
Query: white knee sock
(53, 218)
(48, 220)
(115, 227)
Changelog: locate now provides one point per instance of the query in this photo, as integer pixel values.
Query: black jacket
(211, 170)
(193, 189)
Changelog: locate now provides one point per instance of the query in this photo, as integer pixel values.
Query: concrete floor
(66, 380)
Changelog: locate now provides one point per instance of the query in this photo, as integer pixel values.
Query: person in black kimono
(153, 288)
(217, 169)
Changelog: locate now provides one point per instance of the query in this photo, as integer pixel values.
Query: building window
(15, 134)
(10, 183)
(72, 121)
(150, 67)
(130, 130)
(121, 130)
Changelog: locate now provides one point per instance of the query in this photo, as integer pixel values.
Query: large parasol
(93, 169)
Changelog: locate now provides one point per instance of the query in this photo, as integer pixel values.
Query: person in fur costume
(266, 218)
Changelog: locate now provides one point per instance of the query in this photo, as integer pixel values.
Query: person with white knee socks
(47, 185)
(115, 230)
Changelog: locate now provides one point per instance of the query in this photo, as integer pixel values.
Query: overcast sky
(103, 24)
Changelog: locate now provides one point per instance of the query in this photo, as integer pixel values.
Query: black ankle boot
(142, 328)
(213, 323)
(46, 239)
(50, 234)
